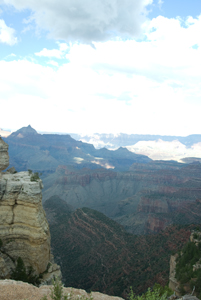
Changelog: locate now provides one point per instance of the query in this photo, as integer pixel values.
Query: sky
(101, 66)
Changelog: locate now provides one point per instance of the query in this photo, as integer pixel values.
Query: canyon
(113, 215)
(96, 253)
(143, 195)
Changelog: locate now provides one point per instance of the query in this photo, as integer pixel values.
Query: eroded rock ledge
(4, 158)
(16, 290)
(24, 230)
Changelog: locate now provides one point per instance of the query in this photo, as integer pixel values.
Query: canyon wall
(24, 230)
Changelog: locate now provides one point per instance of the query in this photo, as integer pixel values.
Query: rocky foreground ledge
(17, 290)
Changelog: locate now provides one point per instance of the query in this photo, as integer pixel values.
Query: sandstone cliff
(4, 158)
(24, 230)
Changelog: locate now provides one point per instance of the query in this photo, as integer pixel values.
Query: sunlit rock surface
(4, 158)
(24, 230)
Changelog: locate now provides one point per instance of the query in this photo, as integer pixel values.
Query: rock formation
(190, 257)
(173, 283)
(24, 230)
(4, 158)
(16, 290)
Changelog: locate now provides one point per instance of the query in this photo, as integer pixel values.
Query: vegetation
(1, 243)
(57, 293)
(157, 293)
(185, 271)
(98, 254)
(34, 176)
(21, 273)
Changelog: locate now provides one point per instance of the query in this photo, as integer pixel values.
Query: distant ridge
(45, 152)
(24, 131)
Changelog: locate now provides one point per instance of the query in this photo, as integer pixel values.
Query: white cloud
(7, 34)
(63, 46)
(53, 63)
(86, 21)
(119, 86)
(57, 53)
(49, 53)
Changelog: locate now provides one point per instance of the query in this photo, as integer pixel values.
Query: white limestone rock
(4, 158)
(23, 221)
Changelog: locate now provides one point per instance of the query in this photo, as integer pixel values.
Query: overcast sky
(107, 66)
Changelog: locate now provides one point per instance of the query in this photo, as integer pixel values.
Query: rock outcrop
(16, 290)
(24, 230)
(173, 283)
(4, 158)
(190, 258)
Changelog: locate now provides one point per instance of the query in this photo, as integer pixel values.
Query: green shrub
(58, 294)
(20, 273)
(35, 176)
(195, 235)
(154, 294)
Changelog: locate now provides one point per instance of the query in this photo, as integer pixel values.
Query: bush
(58, 294)
(35, 176)
(154, 294)
(20, 273)
(195, 235)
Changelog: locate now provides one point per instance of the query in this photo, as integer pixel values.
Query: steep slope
(144, 200)
(24, 230)
(4, 158)
(185, 267)
(97, 254)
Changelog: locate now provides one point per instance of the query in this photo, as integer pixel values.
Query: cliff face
(185, 267)
(145, 200)
(23, 226)
(4, 158)
(173, 283)
(24, 230)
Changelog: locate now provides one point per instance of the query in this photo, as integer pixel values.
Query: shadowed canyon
(113, 213)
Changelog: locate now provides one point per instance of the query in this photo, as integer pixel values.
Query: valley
(96, 253)
(115, 217)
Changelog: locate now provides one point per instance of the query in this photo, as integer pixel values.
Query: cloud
(57, 53)
(160, 3)
(86, 21)
(53, 63)
(152, 86)
(49, 53)
(7, 34)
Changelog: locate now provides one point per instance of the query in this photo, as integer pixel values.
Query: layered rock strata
(4, 158)
(24, 230)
